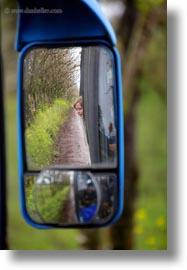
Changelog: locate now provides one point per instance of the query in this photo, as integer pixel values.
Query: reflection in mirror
(108, 192)
(65, 198)
(87, 197)
(69, 110)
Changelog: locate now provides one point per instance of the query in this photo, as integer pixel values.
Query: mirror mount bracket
(59, 20)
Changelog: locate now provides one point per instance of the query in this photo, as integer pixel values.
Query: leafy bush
(51, 206)
(31, 209)
(46, 203)
(42, 132)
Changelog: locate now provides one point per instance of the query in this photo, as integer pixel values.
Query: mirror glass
(65, 198)
(69, 107)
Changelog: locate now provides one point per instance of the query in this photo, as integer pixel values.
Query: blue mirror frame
(27, 39)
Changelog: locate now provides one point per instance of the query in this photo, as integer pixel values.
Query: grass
(151, 206)
(22, 236)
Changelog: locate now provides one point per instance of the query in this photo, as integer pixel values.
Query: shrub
(42, 132)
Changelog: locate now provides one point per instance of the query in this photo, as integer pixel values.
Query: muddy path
(71, 144)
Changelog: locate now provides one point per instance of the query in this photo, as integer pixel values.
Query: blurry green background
(141, 31)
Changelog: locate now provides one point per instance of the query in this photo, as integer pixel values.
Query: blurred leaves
(140, 214)
(148, 5)
(154, 76)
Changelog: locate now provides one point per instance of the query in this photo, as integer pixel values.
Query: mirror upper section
(69, 107)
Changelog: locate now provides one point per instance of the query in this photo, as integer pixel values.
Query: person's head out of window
(78, 106)
(110, 127)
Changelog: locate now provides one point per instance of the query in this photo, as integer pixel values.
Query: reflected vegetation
(65, 198)
(69, 107)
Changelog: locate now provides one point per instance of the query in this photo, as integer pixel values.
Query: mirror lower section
(70, 198)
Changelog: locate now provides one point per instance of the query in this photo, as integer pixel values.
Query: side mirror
(69, 107)
(70, 133)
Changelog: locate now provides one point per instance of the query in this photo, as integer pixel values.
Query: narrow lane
(71, 143)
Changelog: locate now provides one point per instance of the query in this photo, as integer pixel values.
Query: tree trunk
(134, 50)
(89, 239)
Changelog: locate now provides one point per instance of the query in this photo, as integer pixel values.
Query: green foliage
(48, 75)
(147, 5)
(150, 228)
(41, 134)
(28, 188)
(46, 202)
(31, 209)
(150, 220)
(154, 75)
(51, 205)
(21, 236)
